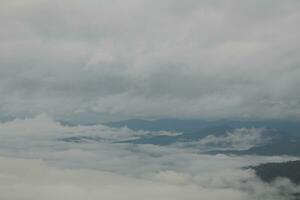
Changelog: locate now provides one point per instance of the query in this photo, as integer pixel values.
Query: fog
(37, 164)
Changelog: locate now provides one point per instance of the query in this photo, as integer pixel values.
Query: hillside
(270, 171)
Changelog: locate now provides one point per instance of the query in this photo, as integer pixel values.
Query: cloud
(37, 164)
(241, 138)
(43, 127)
(35, 180)
(145, 58)
(105, 60)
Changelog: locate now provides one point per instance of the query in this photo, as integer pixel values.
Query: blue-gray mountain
(285, 134)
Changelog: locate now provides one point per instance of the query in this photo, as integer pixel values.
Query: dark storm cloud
(206, 59)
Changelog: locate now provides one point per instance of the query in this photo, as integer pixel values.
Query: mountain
(184, 137)
(270, 171)
(173, 125)
(278, 147)
(288, 128)
(285, 134)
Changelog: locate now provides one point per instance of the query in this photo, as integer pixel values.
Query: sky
(105, 60)
(116, 59)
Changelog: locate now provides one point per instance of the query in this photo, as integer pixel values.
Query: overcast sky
(150, 58)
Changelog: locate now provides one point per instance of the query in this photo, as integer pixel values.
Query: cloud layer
(241, 138)
(151, 59)
(37, 164)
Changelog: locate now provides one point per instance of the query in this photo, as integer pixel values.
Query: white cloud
(241, 138)
(38, 165)
(33, 179)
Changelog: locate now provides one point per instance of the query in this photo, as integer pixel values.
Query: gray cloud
(103, 60)
(203, 59)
